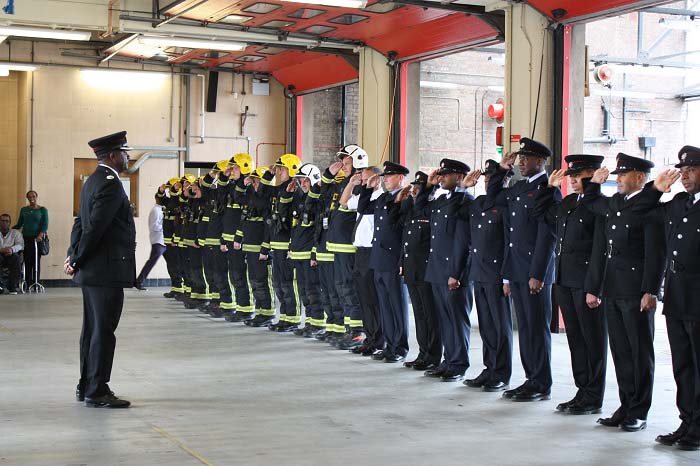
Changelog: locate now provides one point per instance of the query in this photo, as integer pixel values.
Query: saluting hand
(434, 177)
(508, 160)
(403, 194)
(247, 181)
(471, 179)
(601, 175)
(292, 186)
(356, 179)
(373, 181)
(335, 167)
(665, 180)
(556, 178)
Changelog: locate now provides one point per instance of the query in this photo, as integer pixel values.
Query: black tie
(691, 202)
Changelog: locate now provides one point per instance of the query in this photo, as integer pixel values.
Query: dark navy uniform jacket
(416, 239)
(682, 222)
(580, 238)
(386, 244)
(530, 241)
(487, 225)
(449, 237)
(635, 248)
(103, 239)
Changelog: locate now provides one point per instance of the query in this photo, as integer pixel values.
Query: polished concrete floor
(205, 391)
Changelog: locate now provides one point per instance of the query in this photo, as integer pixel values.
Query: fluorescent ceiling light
(338, 3)
(126, 80)
(679, 24)
(4, 72)
(192, 43)
(43, 33)
(18, 66)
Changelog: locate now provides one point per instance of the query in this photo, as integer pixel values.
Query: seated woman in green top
(34, 222)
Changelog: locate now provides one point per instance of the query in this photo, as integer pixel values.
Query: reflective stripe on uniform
(337, 247)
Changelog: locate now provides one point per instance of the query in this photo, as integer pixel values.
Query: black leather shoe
(352, 340)
(302, 331)
(378, 355)
(140, 287)
(259, 321)
(530, 394)
(510, 394)
(322, 335)
(451, 376)
(613, 421)
(562, 407)
(424, 366)
(106, 401)
(437, 372)
(633, 425)
(217, 312)
(673, 437)
(287, 327)
(241, 316)
(578, 409)
(393, 358)
(688, 443)
(194, 304)
(79, 393)
(410, 364)
(494, 386)
(368, 351)
(478, 381)
(169, 294)
(361, 349)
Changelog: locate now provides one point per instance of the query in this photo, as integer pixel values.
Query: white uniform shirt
(365, 230)
(155, 225)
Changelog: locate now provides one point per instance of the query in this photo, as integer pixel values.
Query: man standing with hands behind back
(101, 260)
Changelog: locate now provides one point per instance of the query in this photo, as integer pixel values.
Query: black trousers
(157, 250)
(259, 276)
(31, 254)
(13, 262)
(343, 265)
(363, 279)
(427, 322)
(308, 285)
(393, 311)
(238, 276)
(216, 273)
(684, 336)
(196, 274)
(102, 309)
(587, 334)
(285, 286)
(534, 314)
(330, 301)
(453, 308)
(632, 348)
(496, 330)
(171, 259)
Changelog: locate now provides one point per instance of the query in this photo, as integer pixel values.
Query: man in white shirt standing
(155, 228)
(11, 244)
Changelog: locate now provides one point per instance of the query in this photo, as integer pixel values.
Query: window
(306, 13)
(235, 19)
(195, 61)
(230, 65)
(278, 24)
(214, 55)
(318, 29)
(382, 7)
(261, 8)
(250, 58)
(348, 19)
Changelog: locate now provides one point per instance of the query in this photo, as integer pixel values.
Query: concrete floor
(205, 391)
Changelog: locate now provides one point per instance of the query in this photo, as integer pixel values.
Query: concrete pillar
(577, 79)
(527, 39)
(376, 88)
(413, 117)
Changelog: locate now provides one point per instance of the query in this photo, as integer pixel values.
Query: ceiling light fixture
(43, 33)
(17, 66)
(338, 3)
(4, 72)
(193, 43)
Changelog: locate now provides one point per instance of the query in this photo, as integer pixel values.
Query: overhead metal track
(672, 11)
(176, 16)
(495, 19)
(199, 29)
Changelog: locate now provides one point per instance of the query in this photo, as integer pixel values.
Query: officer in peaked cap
(101, 260)
(385, 260)
(528, 265)
(448, 260)
(580, 248)
(630, 276)
(681, 216)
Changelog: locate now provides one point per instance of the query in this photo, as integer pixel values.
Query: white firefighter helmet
(310, 171)
(360, 158)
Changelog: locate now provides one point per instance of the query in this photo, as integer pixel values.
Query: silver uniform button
(610, 241)
(474, 250)
(618, 214)
(680, 236)
(483, 214)
(513, 214)
(675, 253)
(685, 220)
(614, 227)
(510, 245)
(479, 226)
